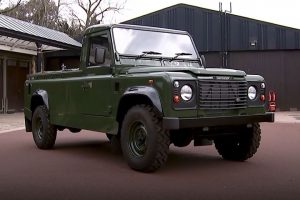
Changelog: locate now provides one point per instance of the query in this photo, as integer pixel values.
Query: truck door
(95, 85)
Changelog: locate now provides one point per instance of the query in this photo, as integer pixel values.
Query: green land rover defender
(147, 88)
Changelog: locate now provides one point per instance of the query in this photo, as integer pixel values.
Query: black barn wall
(280, 69)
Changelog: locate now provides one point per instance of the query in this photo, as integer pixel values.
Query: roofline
(37, 39)
(95, 28)
(210, 10)
(149, 28)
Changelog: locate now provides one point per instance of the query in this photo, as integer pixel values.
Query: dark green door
(96, 83)
(96, 93)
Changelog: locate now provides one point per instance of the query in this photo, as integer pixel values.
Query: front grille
(221, 94)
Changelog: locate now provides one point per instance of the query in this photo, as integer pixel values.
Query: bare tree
(10, 7)
(40, 12)
(95, 11)
(47, 13)
(69, 16)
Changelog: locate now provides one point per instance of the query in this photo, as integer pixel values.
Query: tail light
(272, 103)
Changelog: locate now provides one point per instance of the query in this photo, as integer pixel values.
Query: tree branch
(8, 9)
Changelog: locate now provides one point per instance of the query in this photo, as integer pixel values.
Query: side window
(99, 45)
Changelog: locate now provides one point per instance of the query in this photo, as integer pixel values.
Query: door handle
(87, 85)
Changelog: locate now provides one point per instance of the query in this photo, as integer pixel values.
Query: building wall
(213, 59)
(54, 63)
(17, 68)
(1, 84)
(214, 31)
(280, 69)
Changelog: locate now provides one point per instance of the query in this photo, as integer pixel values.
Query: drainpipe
(226, 34)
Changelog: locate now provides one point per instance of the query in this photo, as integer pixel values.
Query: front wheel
(240, 147)
(44, 133)
(145, 144)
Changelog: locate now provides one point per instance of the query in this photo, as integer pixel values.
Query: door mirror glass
(100, 55)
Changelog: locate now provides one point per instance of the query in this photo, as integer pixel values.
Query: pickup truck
(147, 88)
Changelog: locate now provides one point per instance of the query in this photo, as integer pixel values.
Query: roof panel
(32, 32)
(13, 43)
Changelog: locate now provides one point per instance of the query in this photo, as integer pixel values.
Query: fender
(147, 91)
(43, 94)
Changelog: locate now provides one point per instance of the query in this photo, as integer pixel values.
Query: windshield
(137, 42)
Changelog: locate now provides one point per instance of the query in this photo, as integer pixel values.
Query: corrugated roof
(24, 31)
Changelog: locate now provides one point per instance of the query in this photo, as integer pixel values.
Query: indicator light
(176, 99)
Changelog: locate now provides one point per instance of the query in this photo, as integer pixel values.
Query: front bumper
(180, 123)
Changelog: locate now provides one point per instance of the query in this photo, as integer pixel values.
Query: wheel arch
(138, 95)
(39, 97)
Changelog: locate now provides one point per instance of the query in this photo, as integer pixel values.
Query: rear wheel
(240, 147)
(145, 144)
(44, 133)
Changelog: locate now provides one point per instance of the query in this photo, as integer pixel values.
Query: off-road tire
(44, 133)
(240, 147)
(143, 120)
(109, 136)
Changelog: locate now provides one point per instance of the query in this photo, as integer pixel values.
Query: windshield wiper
(180, 54)
(144, 53)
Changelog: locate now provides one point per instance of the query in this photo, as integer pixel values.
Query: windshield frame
(154, 29)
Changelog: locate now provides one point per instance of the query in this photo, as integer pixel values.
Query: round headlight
(186, 93)
(252, 93)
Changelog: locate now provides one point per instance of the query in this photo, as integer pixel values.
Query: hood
(194, 70)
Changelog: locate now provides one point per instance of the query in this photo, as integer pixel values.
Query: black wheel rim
(138, 139)
(39, 128)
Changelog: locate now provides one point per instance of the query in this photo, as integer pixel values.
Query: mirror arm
(117, 56)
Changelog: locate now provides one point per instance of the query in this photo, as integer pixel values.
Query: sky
(285, 12)
(282, 12)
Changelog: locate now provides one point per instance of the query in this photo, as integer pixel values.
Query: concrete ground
(11, 122)
(15, 121)
(83, 166)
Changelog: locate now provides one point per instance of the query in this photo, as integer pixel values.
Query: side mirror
(100, 55)
(203, 61)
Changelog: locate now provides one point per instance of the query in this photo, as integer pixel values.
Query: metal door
(16, 73)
